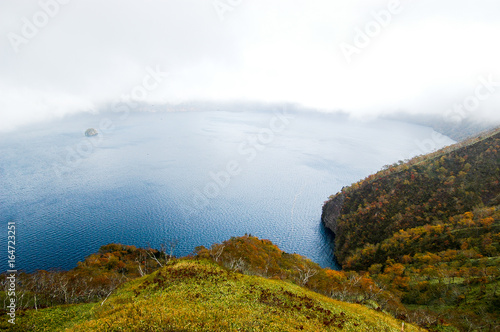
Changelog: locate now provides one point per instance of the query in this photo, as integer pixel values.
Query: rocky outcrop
(91, 132)
(331, 212)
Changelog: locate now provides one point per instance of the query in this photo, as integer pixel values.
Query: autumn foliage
(428, 231)
(92, 280)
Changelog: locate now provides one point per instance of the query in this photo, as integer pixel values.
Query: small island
(91, 132)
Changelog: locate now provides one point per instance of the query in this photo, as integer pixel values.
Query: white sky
(427, 58)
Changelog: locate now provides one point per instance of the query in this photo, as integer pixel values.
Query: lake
(192, 177)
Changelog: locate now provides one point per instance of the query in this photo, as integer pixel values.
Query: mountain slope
(198, 295)
(429, 231)
(415, 194)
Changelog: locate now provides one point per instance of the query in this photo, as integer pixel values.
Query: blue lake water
(194, 177)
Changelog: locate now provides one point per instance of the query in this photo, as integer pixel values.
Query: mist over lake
(192, 177)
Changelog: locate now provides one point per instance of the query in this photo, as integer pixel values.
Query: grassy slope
(192, 295)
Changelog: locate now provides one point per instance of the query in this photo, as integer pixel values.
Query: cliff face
(331, 212)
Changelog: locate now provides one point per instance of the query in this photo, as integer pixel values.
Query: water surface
(193, 177)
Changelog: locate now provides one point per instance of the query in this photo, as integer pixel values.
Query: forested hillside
(429, 230)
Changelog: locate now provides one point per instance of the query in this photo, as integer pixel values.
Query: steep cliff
(331, 212)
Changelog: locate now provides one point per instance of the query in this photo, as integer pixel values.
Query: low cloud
(62, 57)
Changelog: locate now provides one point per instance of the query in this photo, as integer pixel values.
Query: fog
(362, 57)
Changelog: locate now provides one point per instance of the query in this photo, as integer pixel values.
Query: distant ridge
(457, 130)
